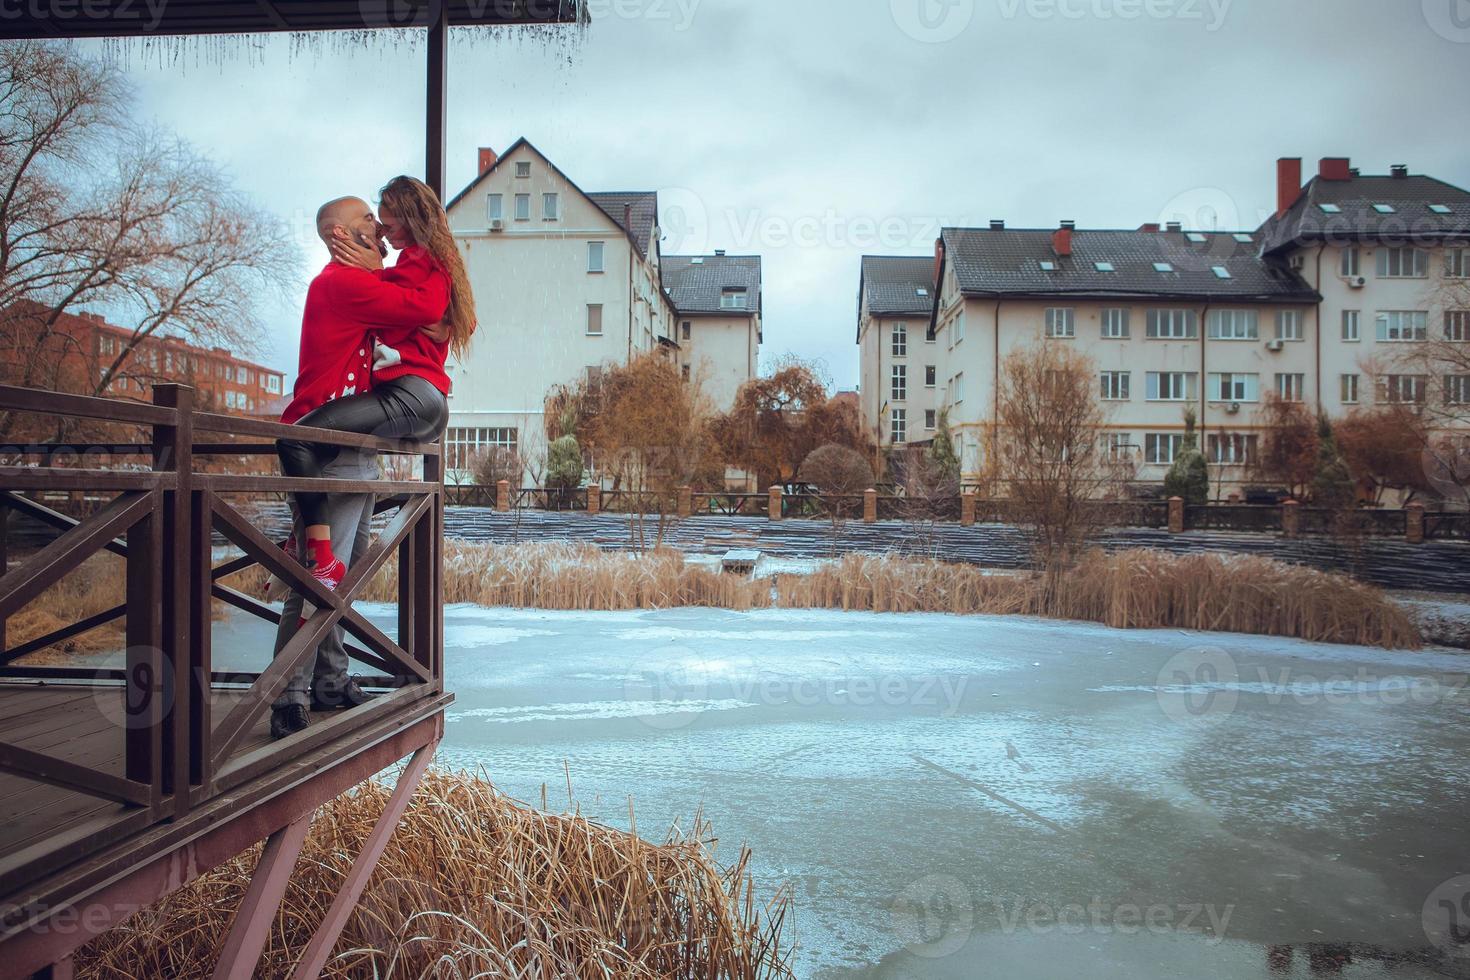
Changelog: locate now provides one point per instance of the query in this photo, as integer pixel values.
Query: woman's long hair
(419, 209)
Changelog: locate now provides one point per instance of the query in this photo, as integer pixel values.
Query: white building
(718, 299)
(1347, 271)
(567, 281)
(899, 392)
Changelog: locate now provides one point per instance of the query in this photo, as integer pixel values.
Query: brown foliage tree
(1384, 450)
(1288, 452)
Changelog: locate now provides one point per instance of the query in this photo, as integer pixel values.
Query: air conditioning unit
(1275, 345)
(1233, 408)
(497, 224)
(1356, 282)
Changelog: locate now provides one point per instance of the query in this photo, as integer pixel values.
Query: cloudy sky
(812, 132)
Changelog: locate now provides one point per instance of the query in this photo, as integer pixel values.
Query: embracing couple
(373, 345)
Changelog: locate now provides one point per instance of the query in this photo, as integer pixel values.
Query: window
(1243, 237)
(1115, 385)
(1350, 319)
(1402, 389)
(1171, 386)
(1172, 325)
(900, 382)
(1288, 324)
(1457, 325)
(1351, 261)
(1403, 325)
(734, 298)
(1060, 322)
(957, 387)
(1234, 325)
(550, 207)
(594, 319)
(1103, 266)
(1330, 209)
(931, 418)
(461, 446)
(1349, 389)
(1232, 448)
(1196, 237)
(523, 207)
(931, 375)
(900, 339)
(1291, 387)
(241, 376)
(1440, 209)
(1220, 272)
(1047, 265)
(273, 384)
(523, 168)
(1163, 267)
(595, 255)
(1457, 389)
(1403, 263)
(1118, 446)
(1115, 324)
(1383, 208)
(957, 333)
(684, 372)
(1162, 447)
(495, 207)
(898, 425)
(1457, 263)
(1234, 387)
(686, 330)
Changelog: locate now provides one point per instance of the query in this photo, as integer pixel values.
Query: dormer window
(1329, 209)
(1047, 265)
(1383, 208)
(921, 291)
(734, 298)
(1103, 266)
(523, 168)
(1440, 209)
(1196, 237)
(1163, 267)
(1221, 272)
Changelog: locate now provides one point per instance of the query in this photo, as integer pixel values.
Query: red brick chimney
(1288, 183)
(487, 159)
(1335, 168)
(938, 260)
(1061, 239)
(1149, 226)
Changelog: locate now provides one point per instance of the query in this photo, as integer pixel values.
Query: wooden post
(502, 496)
(773, 503)
(1233, 497)
(1176, 515)
(252, 924)
(1414, 523)
(686, 501)
(870, 506)
(967, 508)
(1291, 518)
(434, 100)
(594, 499)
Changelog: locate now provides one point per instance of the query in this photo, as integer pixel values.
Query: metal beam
(252, 925)
(434, 99)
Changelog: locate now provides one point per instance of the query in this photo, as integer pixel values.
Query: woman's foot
(289, 720)
(326, 568)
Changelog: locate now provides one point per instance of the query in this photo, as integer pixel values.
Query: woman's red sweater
(417, 354)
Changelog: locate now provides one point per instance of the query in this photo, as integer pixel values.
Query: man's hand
(437, 332)
(350, 252)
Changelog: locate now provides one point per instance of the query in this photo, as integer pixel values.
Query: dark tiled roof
(891, 284)
(644, 213)
(695, 287)
(1006, 262)
(1409, 196)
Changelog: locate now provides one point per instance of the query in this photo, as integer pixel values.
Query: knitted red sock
(320, 550)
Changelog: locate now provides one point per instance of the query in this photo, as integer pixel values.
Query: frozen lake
(1004, 797)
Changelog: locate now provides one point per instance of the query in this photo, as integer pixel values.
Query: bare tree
(840, 472)
(1049, 449)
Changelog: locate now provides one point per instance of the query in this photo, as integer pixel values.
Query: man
(335, 362)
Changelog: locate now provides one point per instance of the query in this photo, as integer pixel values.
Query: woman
(409, 387)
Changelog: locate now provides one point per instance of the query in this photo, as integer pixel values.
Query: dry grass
(1136, 589)
(97, 585)
(476, 884)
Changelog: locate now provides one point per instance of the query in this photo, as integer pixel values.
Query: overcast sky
(812, 132)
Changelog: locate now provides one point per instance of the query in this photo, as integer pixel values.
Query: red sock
(320, 550)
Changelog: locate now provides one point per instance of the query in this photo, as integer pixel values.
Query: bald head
(349, 213)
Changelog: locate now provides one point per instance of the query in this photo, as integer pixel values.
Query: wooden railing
(158, 515)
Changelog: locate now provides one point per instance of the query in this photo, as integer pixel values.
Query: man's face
(364, 229)
(394, 229)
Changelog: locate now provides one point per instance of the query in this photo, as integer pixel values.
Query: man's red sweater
(416, 269)
(344, 307)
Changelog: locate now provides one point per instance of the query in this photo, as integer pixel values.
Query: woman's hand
(350, 252)
(437, 332)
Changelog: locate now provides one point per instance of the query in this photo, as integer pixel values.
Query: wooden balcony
(119, 784)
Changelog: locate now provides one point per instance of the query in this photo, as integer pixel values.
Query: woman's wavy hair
(418, 207)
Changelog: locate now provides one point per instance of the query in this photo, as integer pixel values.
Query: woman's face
(393, 228)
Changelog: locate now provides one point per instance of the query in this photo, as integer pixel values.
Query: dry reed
(476, 884)
(96, 585)
(1134, 589)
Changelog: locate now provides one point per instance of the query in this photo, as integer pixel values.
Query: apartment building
(1311, 306)
(80, 347)
(568, 281)
(718, 301)
(899, 389)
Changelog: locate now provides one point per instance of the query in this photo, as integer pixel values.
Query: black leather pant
(407, 408)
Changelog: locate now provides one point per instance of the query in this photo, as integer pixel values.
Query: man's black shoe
(348, 695)
(288, 720)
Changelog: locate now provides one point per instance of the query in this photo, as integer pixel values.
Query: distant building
(568, 281)
(898, 389)
(80, 348)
